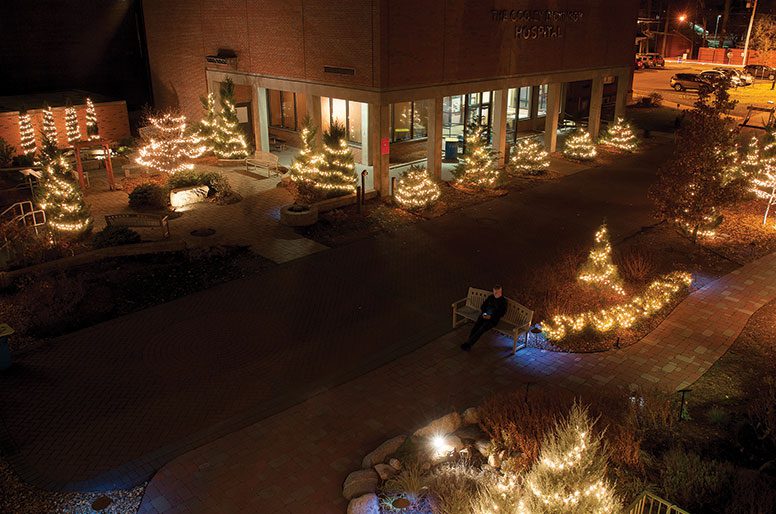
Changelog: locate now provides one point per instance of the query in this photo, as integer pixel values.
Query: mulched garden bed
(52, 305)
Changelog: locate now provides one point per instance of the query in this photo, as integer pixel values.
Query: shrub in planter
(115, 236)
(148, 196)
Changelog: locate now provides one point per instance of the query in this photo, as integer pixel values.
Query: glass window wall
(459, 111)
(282, 109)
(542, 110)
(344, 112)
(409, 120)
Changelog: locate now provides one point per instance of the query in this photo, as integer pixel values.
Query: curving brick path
(295, 462)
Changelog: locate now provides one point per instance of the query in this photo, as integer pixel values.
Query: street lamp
(716, 26)
(682, 17)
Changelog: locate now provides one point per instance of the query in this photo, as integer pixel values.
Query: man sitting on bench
(491, 309)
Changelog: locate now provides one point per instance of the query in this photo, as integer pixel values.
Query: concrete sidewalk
(107, 406)
(295, 462)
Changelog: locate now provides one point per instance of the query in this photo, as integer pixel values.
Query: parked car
(648, 60)
(744, 79)
(712, 76)
(760, 71)
(656, 59)
(639, 63)
(685, 81)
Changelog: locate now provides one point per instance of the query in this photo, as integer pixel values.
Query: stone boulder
(447, 424)
(382, 452)
(471, 416)
(385, 471)
(395, 464)
(187, 195)
(366, 504)
(361, 482)
(484, 446)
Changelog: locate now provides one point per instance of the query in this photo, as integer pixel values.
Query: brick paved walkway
(299, 458)
(107, 406)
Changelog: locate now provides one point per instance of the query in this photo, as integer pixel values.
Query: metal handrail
(649, 503)
(20, 206)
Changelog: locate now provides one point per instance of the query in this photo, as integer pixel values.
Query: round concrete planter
(298, 215)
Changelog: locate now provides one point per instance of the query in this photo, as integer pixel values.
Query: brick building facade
(403, 75)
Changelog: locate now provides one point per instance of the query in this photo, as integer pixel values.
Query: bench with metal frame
(139, 220)
(516, 321)
(263, 160)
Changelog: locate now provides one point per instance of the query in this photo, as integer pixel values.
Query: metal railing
(648, 503)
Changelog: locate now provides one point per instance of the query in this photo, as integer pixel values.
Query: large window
(542, 109)
(459, 111)
(344, 112)
(409, 120)
(282, 109)
(518, 109)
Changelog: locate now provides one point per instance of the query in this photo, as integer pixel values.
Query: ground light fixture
(441, 448)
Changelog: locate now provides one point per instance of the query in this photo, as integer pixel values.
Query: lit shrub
(416, 189)
(115, 236)
(148, 196)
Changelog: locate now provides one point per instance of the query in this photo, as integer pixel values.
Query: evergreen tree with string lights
(207, 126)
(764, 183)
(599, 270)
(61, 199)
(27, 135)
(49, 146)
(228, 139)
(529, 156)
(50, 127)
(71, 125)
(304, 171)
(170, 148)
(620, 135)
(416, 189)
(750, 164)
(477, 169)
(337, 171)
(92, 129)
(570, 475)
(579, 146)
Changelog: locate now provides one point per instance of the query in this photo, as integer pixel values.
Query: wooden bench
(138, 220)
(516, 321)
(264, 160)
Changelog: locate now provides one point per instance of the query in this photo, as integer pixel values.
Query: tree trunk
(695, 234)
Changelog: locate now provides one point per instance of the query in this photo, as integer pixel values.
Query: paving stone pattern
(110, 404)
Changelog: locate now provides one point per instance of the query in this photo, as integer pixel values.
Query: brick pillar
(500, 125)
(379, 127)
(434, 141)
(596, 100)
(551, 121)
(262, 120)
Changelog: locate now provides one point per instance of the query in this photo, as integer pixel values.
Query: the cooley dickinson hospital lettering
(536, 23)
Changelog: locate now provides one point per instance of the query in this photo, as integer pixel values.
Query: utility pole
(749, 34)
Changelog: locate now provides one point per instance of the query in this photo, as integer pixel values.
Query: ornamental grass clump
(416, 189)
(529, 157)
(579, 146)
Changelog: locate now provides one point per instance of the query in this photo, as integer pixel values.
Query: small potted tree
(302, 181)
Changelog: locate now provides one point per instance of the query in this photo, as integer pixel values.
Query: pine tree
(71, 124)
(477, 171)
(61, 199)
(206, 128)
(304, 170)
(27, 134)
(170, 149)
(416, 189)
(529, 157)
(337, 172)
(49, 127)
(599, 270)
(764, 183)
(92, 129)
(751, 166)
(620, 135)
(579, 146)
(570, 475)
(228, 139)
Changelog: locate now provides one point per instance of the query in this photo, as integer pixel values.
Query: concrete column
(379, 128)
(366, 148)
(314, 111)
(434, 142)
(500, 125)
(256, 118)
(623, 88)
(551, 121)
(262, 120)
(596, 100)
